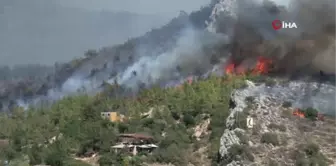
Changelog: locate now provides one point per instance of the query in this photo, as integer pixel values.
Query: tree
(188, 120)
(8, 153)
(35, 155)
(311, 113)
(57, 154)
(111, 158)
(83, 130)
(117, 58)
(18, 140)
(91, 53)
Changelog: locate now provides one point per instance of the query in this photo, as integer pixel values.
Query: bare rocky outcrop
(201, 129)
(277, 135)
(228, 139)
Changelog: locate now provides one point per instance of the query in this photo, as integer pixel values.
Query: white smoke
(188, 54)
(254, 15)
(301, 94)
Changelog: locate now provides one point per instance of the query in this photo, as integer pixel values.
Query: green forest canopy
(83, 131)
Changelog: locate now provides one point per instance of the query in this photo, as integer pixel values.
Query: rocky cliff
(277, 136)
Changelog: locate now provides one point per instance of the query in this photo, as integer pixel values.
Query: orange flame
(262, 67)
(230, 68)
(320, 116)
(299, 113)
(190, 80)
(240, 70)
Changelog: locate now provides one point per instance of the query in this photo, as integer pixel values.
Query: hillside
(185, 91)
(78, 119)
(187, 123)
(278, 135)
(98, 65)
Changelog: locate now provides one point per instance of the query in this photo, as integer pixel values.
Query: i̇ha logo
(277, 24)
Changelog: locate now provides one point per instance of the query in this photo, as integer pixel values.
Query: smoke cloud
(308, 48)
(188, 56)
(241, 29)
(304, 51)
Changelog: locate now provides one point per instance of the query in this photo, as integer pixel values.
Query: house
(134, 143)
(112, 116)
(135, 139)
(4, 143)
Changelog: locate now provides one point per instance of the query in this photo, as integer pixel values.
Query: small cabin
(135, 139)
(134, 143)
(112, 116)
(4, 143)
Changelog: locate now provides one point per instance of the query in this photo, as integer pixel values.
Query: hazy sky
(46, 31)
(139, 6)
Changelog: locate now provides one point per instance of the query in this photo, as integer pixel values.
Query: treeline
(24, 71)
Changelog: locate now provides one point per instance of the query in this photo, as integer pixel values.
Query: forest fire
(263, 66)
(230, 68)
(189, 80)
(302, 114)
(299, 113)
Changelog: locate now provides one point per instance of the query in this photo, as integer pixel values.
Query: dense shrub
(286, 104)
(311, 155)
(111, 158)
(56, 155)
(242, 137)
(270, 138)
(238, 152)
(310, 113)
(35, 155)
(188, 120)
(311, 149)
(280, 127)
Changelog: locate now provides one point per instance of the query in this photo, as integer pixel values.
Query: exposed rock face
(271, 119)
(301, 94)
(228, 139)
(227, 9)
(201, 129)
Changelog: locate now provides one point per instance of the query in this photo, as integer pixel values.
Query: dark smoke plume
(308, 49)
(296, 53)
